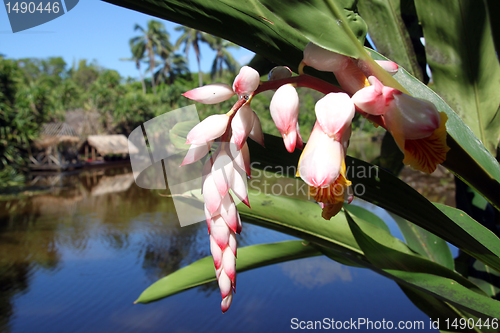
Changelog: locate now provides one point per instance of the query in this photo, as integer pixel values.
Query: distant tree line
(37, 91)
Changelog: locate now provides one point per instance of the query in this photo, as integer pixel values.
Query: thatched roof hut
(116, 144)
(111, 144)
(53, 134)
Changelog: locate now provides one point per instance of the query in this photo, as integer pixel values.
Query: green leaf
(425, 243)
(202, 271)
(387, 252)
(468, 158)
(366, 215)
(178, 133)
(449, 291)
(335, 17)
(421, 273)
(464, 64)
(389, 34)
(301, 219)
(439, 310)
(389, 192)
(266, 34)
(486, 278)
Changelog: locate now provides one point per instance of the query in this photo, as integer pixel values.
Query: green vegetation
(36, 91)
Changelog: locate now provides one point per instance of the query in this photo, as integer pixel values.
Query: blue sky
(92, 30)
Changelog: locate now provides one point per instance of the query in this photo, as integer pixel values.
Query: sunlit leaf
(425, 243)
(389, 192)
(202, 271)
(389, 33)
(425, 275)
(464, 64)
(337, 20)
(387, 252)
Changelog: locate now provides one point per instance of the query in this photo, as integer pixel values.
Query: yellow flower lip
(425, 154)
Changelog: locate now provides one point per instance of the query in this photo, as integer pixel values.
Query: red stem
(311, 82)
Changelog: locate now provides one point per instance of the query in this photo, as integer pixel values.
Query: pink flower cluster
(322, 162)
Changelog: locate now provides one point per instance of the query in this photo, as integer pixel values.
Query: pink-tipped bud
(209, 129)
(321, 160)
(247, 81)
(226, 302)
(216, 253)
(211, 194)
(220, 231)
(323, 59)
(241, 125)
(239, 186)
(285, 112)
(211, 93)
(390, 66)
(279, 72)
(222, 171)
(229, 213)
(229, 264)
(241, 158)
(196, 152)
(225, 284)
(256, 133)
(334, 112)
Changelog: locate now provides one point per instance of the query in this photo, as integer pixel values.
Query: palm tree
(222, 56)
(192, 37)
(173, 65)
(138, 50)
(137, 57)
(153, 41)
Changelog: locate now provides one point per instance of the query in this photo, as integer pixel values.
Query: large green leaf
(425, 243)
(468, 158)
(389, 192)
(441, 313)
(202, 271)
(464, 64)
(449, 291)
(421, 273)
(389, 34)
(252, 25)
(331, 24)
(387, 252)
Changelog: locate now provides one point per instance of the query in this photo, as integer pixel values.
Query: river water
(74, 259)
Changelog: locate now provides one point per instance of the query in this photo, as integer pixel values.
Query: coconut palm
(138, 50)
(192, 37)
(222, 56)
(173, 64)
(154, 40)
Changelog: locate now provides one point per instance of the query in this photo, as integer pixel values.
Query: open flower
(416, 125)
(322, 164)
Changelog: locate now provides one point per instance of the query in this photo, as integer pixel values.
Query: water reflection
(75, 258)
(316, 272)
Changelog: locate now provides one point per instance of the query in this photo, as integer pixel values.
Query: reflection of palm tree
(192, 37)
(153, 41)
(222, 56)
